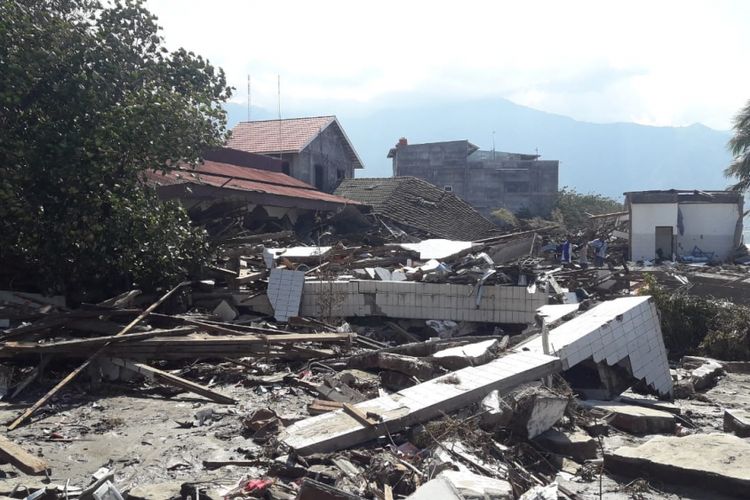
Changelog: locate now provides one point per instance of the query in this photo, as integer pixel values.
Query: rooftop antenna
(278, 91)
(493, 145)
(249, 98)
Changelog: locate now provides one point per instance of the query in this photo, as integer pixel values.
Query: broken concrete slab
(439, 487)
(624, 331)
(495, 412)
(337, 430)
(536, 410)
(226, 311)
(715, 462)
(463, 485)
(478, 353)
(632, 418)
(575, 444)
(471, 485)
(737, 422)
(408, 365)
(705, 376)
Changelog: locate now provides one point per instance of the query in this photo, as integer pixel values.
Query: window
(448, 188)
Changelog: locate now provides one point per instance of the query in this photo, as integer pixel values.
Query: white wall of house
(709, 226)
(645, 217)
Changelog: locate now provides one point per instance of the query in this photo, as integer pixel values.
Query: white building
(684, 225)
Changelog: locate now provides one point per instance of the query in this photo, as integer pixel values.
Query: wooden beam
(25, 461)
(26, 414)
(171, 379)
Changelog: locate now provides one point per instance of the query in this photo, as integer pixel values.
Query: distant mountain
(602, 158)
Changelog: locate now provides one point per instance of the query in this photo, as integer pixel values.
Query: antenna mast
(278, 90)
(249, 98)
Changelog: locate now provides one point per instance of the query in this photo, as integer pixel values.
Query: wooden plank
(358, 415)
(25, 461)
(319, 406)
(172, 379)
(336, 430)
(26, 414)
(83, 344)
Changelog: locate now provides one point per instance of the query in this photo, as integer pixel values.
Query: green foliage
(573, 207)
(729, 336)
(693, 325)
(505, 217)
(89, 101)
(739, 145)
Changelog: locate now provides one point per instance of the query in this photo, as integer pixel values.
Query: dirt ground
(133, 429)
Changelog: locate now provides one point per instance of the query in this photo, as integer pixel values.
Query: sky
(664, 63)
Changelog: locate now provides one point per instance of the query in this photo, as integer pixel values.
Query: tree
(573, 208)
(739, 145)
(90, 100)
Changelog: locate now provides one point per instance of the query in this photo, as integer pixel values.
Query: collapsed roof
(418, 204)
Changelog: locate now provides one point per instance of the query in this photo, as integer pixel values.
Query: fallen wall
(623, 331)
(416, 300)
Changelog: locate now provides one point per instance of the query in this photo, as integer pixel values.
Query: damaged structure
(417, 204)
(381, 342)
(487, 180)
(691, 226)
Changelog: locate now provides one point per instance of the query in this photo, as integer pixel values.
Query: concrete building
(316, 149)
(686, 225)
(487, 180)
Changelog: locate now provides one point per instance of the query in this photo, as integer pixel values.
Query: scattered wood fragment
(25, 461)
(26, 414)
(169, 378)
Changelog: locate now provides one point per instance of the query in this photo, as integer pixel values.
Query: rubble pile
(330, 362)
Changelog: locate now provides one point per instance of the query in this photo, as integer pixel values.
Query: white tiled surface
(285, 292)
(623, 328)
(416, 300)
(337, 430)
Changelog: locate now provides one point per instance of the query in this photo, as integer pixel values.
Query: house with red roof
(315, 149)
(252, 187)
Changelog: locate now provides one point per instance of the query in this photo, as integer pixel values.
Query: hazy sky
(650, 62)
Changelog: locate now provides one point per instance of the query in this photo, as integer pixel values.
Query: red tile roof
(289, 135)
(233, 177)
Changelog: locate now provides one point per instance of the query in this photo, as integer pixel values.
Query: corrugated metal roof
(226, 176)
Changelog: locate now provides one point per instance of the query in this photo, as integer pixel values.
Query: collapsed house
(417, 204)
(399, 347)
(256, 198)
(690, 226)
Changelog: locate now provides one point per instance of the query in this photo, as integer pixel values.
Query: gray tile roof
(418, 204)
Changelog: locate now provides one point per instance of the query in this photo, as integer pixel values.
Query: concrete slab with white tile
(337, 430)
(626, 328)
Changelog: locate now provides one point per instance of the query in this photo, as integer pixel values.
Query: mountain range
(603, 158)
